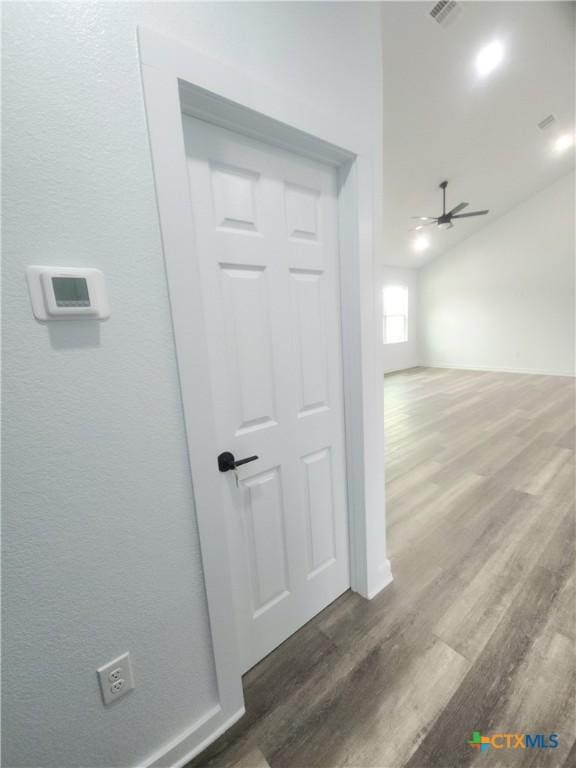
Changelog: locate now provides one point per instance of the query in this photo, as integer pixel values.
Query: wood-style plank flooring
(477, 631)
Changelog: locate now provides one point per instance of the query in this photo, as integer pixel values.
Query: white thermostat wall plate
(68, 293)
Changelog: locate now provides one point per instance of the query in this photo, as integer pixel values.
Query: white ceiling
(442, 122)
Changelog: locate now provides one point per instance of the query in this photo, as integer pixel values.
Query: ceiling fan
(444, 221)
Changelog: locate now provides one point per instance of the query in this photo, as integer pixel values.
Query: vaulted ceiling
(442, 121)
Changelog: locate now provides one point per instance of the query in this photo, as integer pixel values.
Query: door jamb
(178, 79)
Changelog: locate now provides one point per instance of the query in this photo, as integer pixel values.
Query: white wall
(101, 550)
(398, 357)
(504, 298)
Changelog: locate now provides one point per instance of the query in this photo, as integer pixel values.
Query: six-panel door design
(266, 241)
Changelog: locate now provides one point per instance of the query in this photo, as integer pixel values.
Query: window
(395, 303)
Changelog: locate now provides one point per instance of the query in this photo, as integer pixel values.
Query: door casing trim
(178, 79)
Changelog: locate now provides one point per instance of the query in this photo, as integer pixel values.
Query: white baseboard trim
(399, 370)
(384, 579)
(194, 740)
(533, 371)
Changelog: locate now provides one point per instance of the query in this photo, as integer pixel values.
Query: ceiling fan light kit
(444, 221)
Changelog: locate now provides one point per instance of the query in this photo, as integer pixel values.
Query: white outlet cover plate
(116, 679)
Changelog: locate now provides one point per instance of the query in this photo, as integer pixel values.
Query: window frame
(388, 315)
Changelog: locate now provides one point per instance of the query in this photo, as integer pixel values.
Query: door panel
(234, 191)
(312, 358)
(265, 225)
(246, 318)
(319, 505)
(265, 525)
(302, 213)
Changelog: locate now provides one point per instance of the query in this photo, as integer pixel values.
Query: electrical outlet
(116, 679)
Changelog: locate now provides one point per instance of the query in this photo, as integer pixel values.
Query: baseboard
(401, 370)
(532, 371)
(194, 740)
(383, 580)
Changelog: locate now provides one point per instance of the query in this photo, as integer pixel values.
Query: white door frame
(178, 79)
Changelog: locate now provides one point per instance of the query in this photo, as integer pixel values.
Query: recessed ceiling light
(563, 143)
(489, 58)
(421, 243)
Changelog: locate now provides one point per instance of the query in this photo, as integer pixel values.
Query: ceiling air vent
(445, 12)
(547, 122)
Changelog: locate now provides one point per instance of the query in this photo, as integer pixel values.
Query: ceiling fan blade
(421, 226)
(424, 218)
(474, 213)
(457, 209)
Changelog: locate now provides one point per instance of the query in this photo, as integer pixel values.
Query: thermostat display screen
(71, 291)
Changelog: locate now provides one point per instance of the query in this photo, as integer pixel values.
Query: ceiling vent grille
(445, 12)
(547, 122)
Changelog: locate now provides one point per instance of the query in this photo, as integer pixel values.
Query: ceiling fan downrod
(443, 186)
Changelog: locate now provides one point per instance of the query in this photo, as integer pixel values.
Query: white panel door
(266, 240)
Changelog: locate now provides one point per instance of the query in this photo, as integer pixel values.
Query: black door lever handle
(226, 461)
(245, 461)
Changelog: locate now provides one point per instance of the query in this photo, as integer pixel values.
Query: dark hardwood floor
(477, 631)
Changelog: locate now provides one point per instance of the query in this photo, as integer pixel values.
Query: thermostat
(60, 293)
